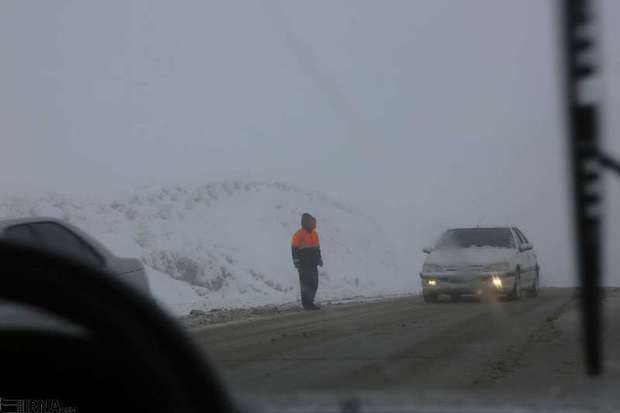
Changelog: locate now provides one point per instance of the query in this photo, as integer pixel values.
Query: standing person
(306, 257)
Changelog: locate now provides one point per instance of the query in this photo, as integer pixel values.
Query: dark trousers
(308, 283)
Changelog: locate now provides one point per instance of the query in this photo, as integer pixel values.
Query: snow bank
(175, 296)
(223, 245)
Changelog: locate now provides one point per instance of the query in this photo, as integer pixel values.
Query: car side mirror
(525, 247)
(427, 250)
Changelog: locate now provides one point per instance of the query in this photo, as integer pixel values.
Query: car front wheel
(515, 294)
(533, 291)
(430, 298)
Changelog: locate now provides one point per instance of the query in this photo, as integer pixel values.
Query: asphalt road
(530, 346)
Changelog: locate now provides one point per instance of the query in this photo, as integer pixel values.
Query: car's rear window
(477, 237)
(54, 237)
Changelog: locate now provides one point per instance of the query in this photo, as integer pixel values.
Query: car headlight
(501, 266)
(432, 268)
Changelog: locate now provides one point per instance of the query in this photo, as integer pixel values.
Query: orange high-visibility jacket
(306, 248)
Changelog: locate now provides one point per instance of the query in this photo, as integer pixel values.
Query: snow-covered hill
(228, 244)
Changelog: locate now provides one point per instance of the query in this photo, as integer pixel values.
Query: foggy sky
(425, 114)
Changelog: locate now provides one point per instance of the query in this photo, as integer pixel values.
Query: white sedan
(475, 261)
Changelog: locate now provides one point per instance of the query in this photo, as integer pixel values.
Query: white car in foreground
(475, 261)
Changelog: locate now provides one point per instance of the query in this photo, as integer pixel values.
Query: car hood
(470, 256)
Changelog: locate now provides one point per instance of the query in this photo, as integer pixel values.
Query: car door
(522, 258)
(528, 257)
(532, 258)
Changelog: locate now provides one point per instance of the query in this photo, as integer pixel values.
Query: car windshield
(477, 237)
(276, 175)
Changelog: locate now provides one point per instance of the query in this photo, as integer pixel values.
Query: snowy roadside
(199, 318)
(192, 240)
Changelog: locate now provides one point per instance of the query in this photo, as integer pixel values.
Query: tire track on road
(459, 346)
(387, 345)
(511, 359)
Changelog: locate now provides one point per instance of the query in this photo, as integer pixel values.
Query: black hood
(306, 220)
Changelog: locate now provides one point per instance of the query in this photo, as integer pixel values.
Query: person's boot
(314, 307)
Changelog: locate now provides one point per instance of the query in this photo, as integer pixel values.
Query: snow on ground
(176, 296)
(224, 245)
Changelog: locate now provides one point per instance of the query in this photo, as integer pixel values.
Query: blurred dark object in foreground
(587, 160)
